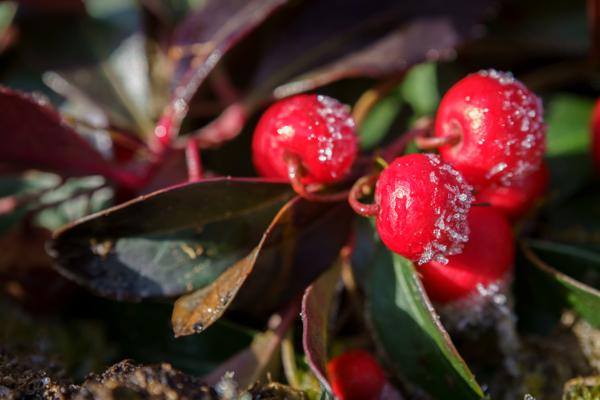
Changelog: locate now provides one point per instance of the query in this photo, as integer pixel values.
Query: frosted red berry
(595, 130)
(423, 204)
(318, 130)
(486, 259)
(514, 201)
(500, 128)
(356, 375)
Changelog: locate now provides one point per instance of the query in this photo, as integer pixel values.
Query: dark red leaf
(313, 43)
(303, 239)
(204, 38)
(169, 242)
(33, 135)
(330, 40)
(316, 311)
(427, 38)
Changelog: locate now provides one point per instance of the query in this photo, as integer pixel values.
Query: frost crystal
(337, 119)
(481, 309)
(451, 220)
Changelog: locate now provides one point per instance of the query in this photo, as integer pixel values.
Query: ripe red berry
(486, 259)
(514, 201)
(595, 130)
(356, 375)
(423, 205)
(500, 128)
(318, 130)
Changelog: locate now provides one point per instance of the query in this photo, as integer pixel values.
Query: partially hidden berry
(318, 130)
(356, 375)
(498, 125)
(595, 131)
(516, 200)
(423, 204)
(486, 259)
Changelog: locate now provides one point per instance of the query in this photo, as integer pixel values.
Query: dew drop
(198, 327)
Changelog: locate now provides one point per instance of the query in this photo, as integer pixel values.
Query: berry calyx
(595, 131)
(514, 201)
(422, 208)
(317, 132)
(496, 129)
(356, 375)
(486, 259)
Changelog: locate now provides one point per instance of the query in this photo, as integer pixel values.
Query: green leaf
(562, 290)
(8, 10)
(576, 261)
(379, 121)
(568, 118)
(568, 144)
(416, 96)
(420, 89)
(408, 330)
(18, 187)
(169, 242)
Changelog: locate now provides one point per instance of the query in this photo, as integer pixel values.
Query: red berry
(500, 127)
(356, 375)
(514, 201)
(487, 257)
(595, 129)
(423, 205)
(318, 130)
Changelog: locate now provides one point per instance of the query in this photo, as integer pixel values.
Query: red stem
(296, 173)
(433, 143)
(363, 187)
(422, 127)
(192, 158)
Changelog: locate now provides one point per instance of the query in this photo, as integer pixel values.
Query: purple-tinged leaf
(427, 38)
(306, 241)
(312, 43)
(169, 242)
(208, 34)
(316, 312)
(341, 36)
(302, 240)
(33, 135)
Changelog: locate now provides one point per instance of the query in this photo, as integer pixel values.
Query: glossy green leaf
(169, 242)
(561, 289)
(408, 330)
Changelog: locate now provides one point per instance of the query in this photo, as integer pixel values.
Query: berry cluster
(447, 212)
